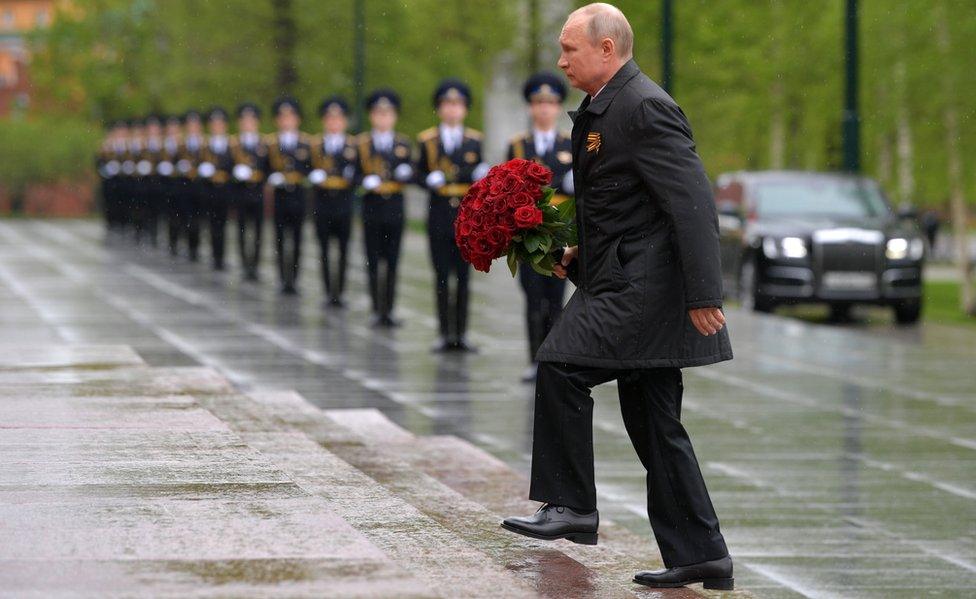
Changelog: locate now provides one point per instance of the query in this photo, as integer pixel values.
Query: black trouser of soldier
(452, 308)
(681, 513)
(109, 200)
(186, 215)
(250, 223)
(383, 219)
(139, 206)
(333, 220)
(289, 216)
(172, 188)
(218, 205)
(543, 304)
(147, 217)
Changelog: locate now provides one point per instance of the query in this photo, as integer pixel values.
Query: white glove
(371, 182)
(243, 172)
(349, 172)
(403, 172)
(112, 168)
(276, 179)
(128, 167)
(436, 179)
(165, 168)
(568, 186)
(206, 170)
(184, 166)
(317, 177)
(479, 171)
(144, 168)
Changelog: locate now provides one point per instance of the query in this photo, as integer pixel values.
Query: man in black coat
(648, 302)
(250, 169)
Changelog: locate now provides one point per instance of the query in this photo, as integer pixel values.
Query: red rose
(519, 199)
(528, 217)
(537, 173)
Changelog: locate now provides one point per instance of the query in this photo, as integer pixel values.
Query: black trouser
(452, 308)
(543, 304)
(333, 220)
(185, 216)
(110, 193)
(383, 220)
(681, 513)
(250, 222)
(146, 205)
(289, 217)
(217, 203)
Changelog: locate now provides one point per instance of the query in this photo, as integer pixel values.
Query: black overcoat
(648, 236)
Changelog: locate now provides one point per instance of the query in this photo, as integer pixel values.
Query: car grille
(847, 262)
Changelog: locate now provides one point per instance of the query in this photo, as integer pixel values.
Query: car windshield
(828, 197)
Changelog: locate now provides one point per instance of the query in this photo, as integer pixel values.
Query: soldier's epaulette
(351, 140)
(427, 134)
(401, 138)
(270, 138)
(474, 134)
(306, 138)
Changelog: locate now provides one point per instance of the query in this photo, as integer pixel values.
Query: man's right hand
(569, 254)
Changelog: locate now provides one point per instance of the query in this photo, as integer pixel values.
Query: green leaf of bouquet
(513, 263)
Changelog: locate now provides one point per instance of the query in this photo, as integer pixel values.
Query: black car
(798, 237)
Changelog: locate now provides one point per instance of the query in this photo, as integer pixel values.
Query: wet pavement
(841, 462)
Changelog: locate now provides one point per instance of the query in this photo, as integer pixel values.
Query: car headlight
(787, 247)
(899, 248)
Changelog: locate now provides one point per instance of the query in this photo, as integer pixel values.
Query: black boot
(715, 574)
(553, 522)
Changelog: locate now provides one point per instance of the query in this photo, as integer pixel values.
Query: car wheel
(749, 296)
(908, 311)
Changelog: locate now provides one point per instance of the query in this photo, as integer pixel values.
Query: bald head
(596, 41)
(606, 21)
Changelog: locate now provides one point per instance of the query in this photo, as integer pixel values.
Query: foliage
(45, 151)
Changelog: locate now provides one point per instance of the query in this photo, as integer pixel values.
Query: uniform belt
(335, 183)
(388, 187)
(220, 177)
(557, 199)
(453, 190)
(294, 178)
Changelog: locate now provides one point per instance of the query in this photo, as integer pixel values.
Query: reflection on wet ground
(841, 462)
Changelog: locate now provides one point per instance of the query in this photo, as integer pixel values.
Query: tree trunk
(777, 125)
(957, 200)
(285, 33)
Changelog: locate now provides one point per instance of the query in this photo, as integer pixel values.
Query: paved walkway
(840, 462)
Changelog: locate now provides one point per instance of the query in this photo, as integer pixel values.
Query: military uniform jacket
(170, 156)
(152, 154)
(559, 159)
(223, 162)
(458, 167)
(372, 162)
(253, 156)
(340, 167)
(294, 163)
(188, 158)
(648, 235)
(109, 160)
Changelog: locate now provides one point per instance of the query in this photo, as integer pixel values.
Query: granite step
(549, 567)
(448, 564)
(109, 494)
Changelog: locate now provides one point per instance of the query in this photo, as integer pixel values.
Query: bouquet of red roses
(508, 213)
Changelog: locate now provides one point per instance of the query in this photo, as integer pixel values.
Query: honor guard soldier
(385, 166)
(131, 184)
(333, 172)
(146, 167)
(450, 161)
(544, 93)
(169, 179)
(216, 164)
(290, 160)
(188, 197)
(250, 156)
(109, 164)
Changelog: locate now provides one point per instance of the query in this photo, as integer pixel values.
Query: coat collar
(598, 105)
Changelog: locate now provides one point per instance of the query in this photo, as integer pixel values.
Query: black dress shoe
(553, 522)
(251, 276)
(390, 322)
(336, 302)
(715, 574)
(289, 289)
(441, 345)
(462, 345)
